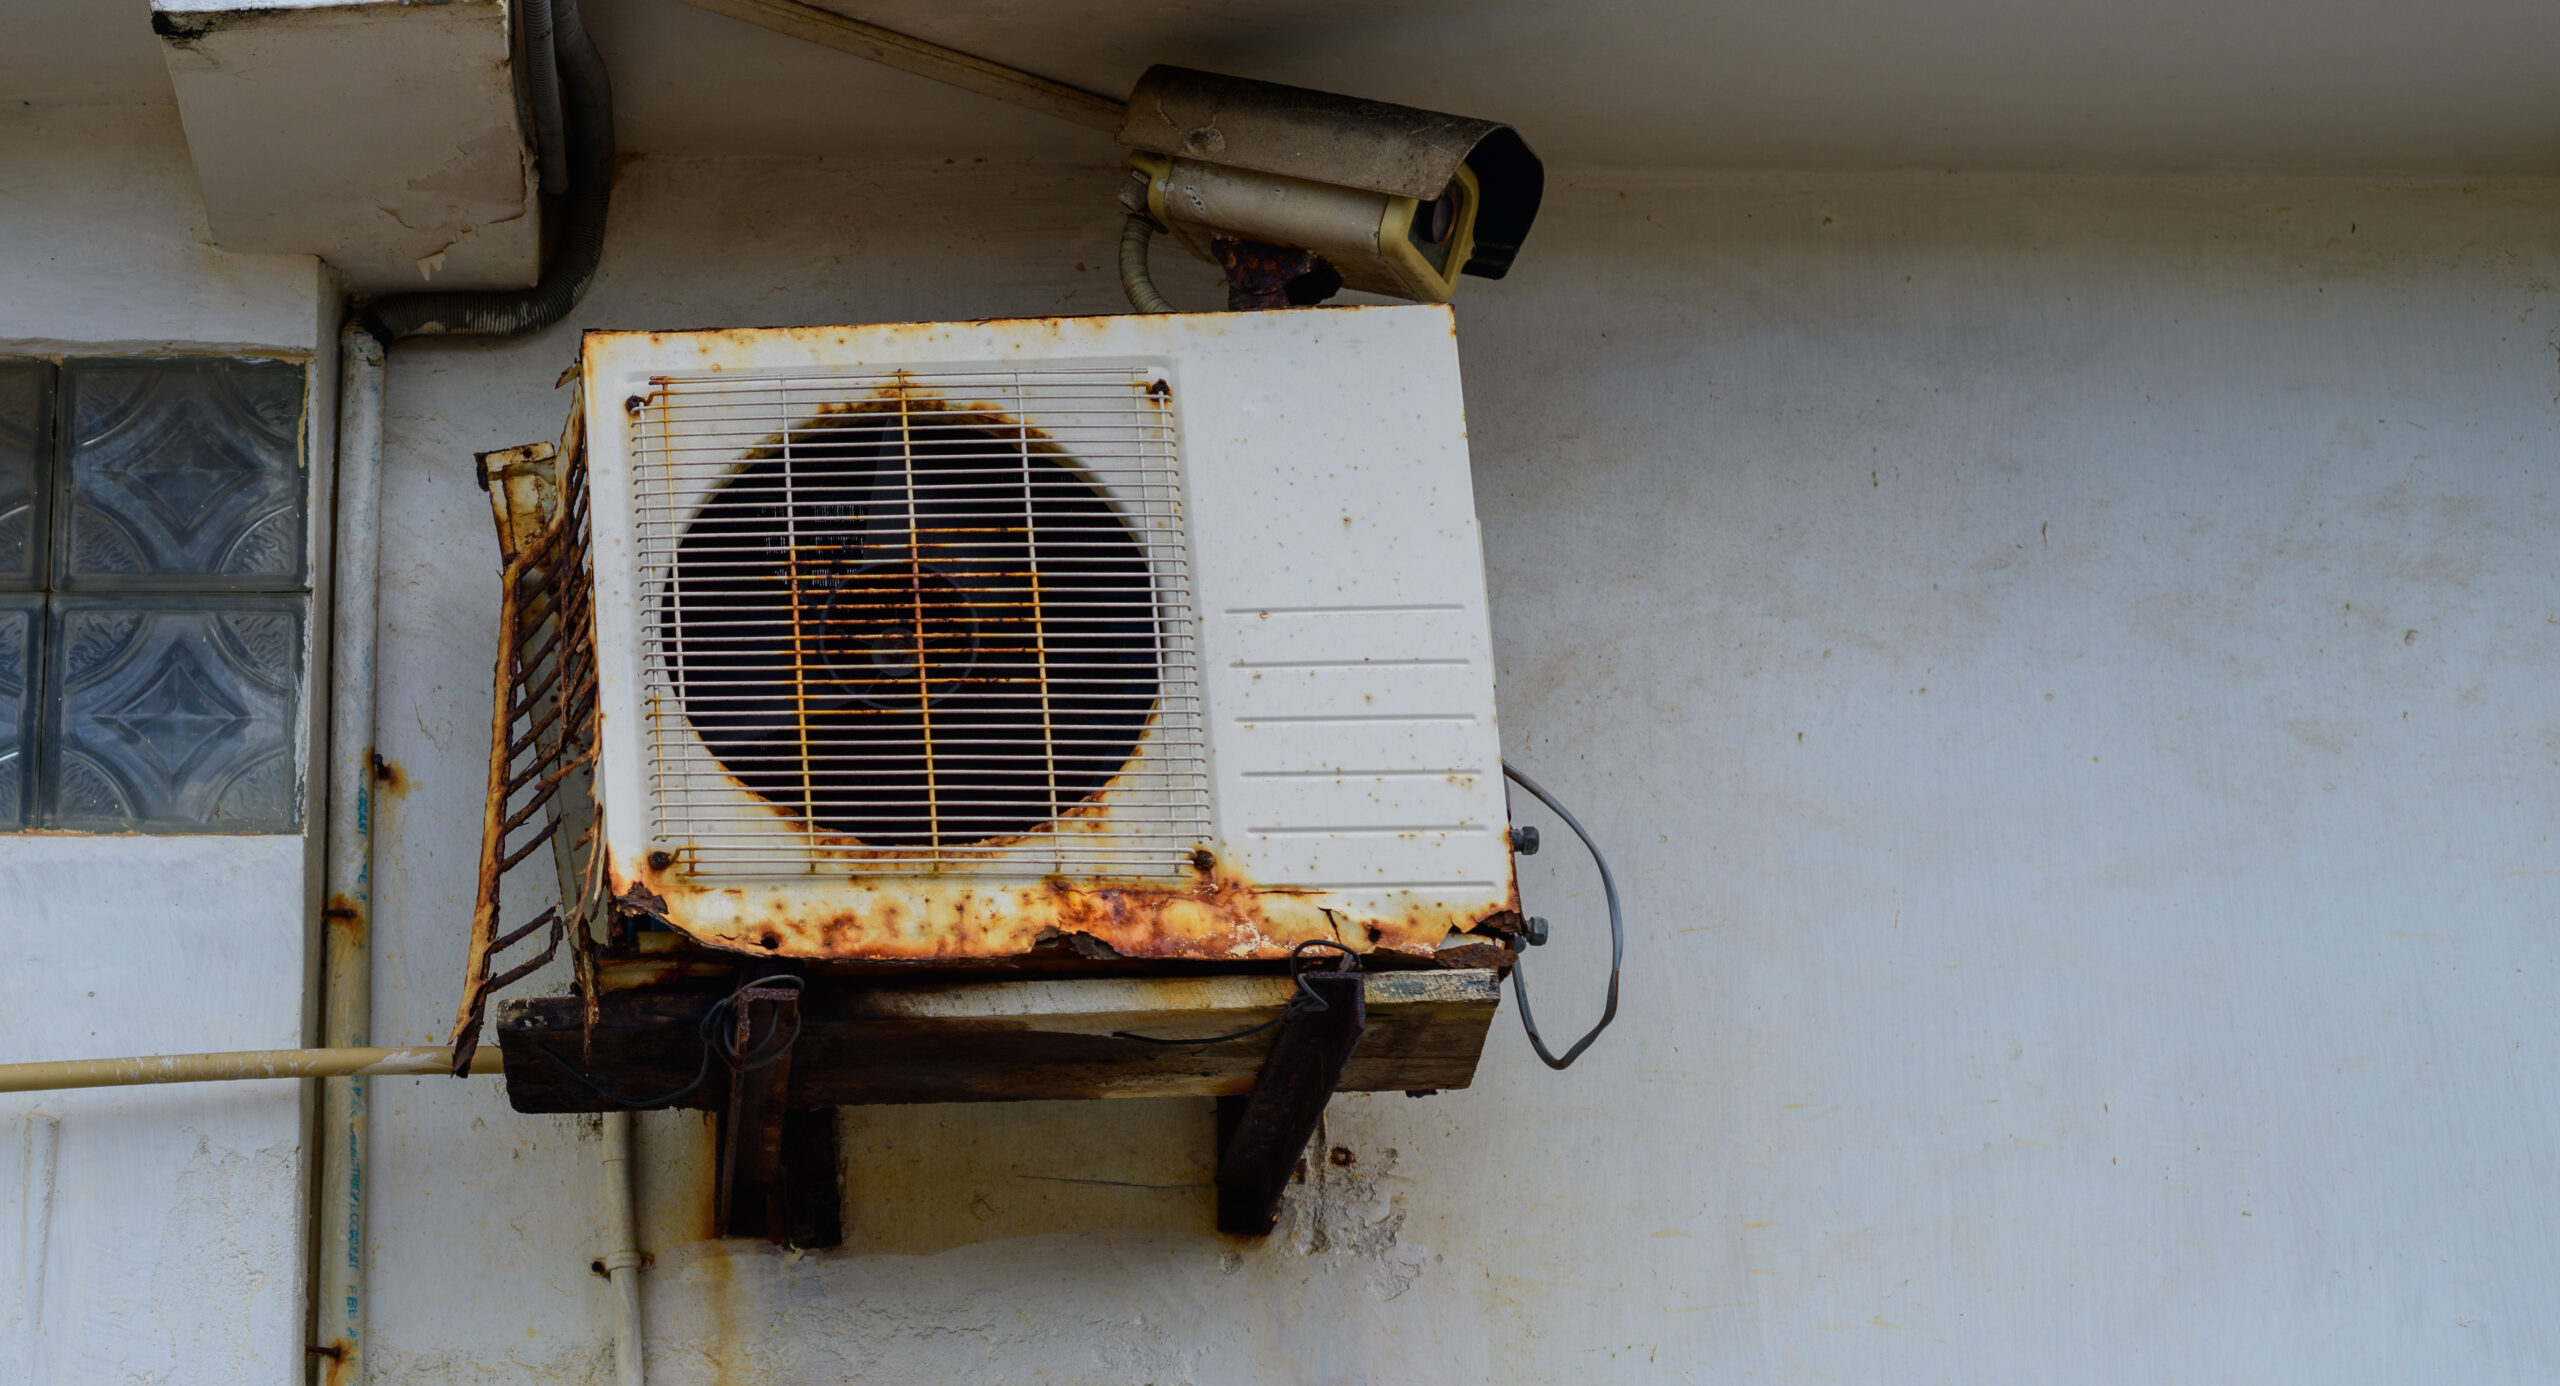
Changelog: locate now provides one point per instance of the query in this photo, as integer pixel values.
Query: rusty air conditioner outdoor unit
(1034, 708)
(946, 642)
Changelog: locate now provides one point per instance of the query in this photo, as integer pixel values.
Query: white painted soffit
(2388, 86)
(383, 137)
(2079, 85)
(80, 53)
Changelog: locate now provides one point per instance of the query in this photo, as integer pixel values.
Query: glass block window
(154, 594)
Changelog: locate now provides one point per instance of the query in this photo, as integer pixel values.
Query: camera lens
(1441, 217)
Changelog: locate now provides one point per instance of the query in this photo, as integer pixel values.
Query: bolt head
(1537, 931)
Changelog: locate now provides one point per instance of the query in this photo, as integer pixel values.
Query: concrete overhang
(382, 136)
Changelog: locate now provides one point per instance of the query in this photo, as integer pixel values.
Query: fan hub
(894, 634)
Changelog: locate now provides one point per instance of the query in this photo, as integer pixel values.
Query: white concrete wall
(2063, 668)
(151, 1234)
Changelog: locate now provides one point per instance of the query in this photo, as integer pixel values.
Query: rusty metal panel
(543, 740)
(1318, 757)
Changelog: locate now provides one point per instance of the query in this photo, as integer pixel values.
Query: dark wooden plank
(750, 1198)
(812, 1185)
(996, 1041)
(1265, 1134)
(645, 1047)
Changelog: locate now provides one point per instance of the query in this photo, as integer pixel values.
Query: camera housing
(1399, 201)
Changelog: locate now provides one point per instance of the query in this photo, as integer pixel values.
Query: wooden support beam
(812, 1190)
(751, 1126)
(995, 1041)
(1261, 1136)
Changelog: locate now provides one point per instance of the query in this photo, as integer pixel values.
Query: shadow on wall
(922, 1180)
(918, 1180)
(925, 1179)
(1100, 1214)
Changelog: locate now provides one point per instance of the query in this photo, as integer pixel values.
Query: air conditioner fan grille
(924, 622)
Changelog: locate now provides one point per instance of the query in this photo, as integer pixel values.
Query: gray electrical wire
(718, 1041)
(1617, 936)
(1306, 1002)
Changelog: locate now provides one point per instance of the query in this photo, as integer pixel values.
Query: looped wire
(1306, 1002)
(1617, 937)
(718, 1032)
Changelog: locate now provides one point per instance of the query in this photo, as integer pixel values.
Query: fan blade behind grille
(914, 626)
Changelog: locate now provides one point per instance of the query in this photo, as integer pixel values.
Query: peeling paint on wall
(1343, 1206)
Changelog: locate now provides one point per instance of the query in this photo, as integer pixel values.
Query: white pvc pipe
(347, 957)
(622, 1251)
(237, 1064)
(40, 1169)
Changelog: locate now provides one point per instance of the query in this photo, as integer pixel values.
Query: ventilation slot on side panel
(918, 623)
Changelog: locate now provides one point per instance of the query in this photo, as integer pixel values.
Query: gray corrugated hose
(586, 99)
(1134, 279)
(542, 84)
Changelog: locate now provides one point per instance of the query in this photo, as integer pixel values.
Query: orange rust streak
(1219, 916)
(1039, 622)
(915, 587)
(800, 687)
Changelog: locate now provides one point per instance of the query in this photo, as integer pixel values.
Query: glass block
(26, 445)
(179, 470)
(21, 619)
(174, 715)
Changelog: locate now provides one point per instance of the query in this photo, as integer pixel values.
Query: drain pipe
(346, 994)
(586, 134)
(622, 1251)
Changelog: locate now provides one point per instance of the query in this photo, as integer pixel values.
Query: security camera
(1390, 199)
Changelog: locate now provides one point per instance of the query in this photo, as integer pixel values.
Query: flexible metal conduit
(542, 85)
(586, 100)
(1135, 236)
